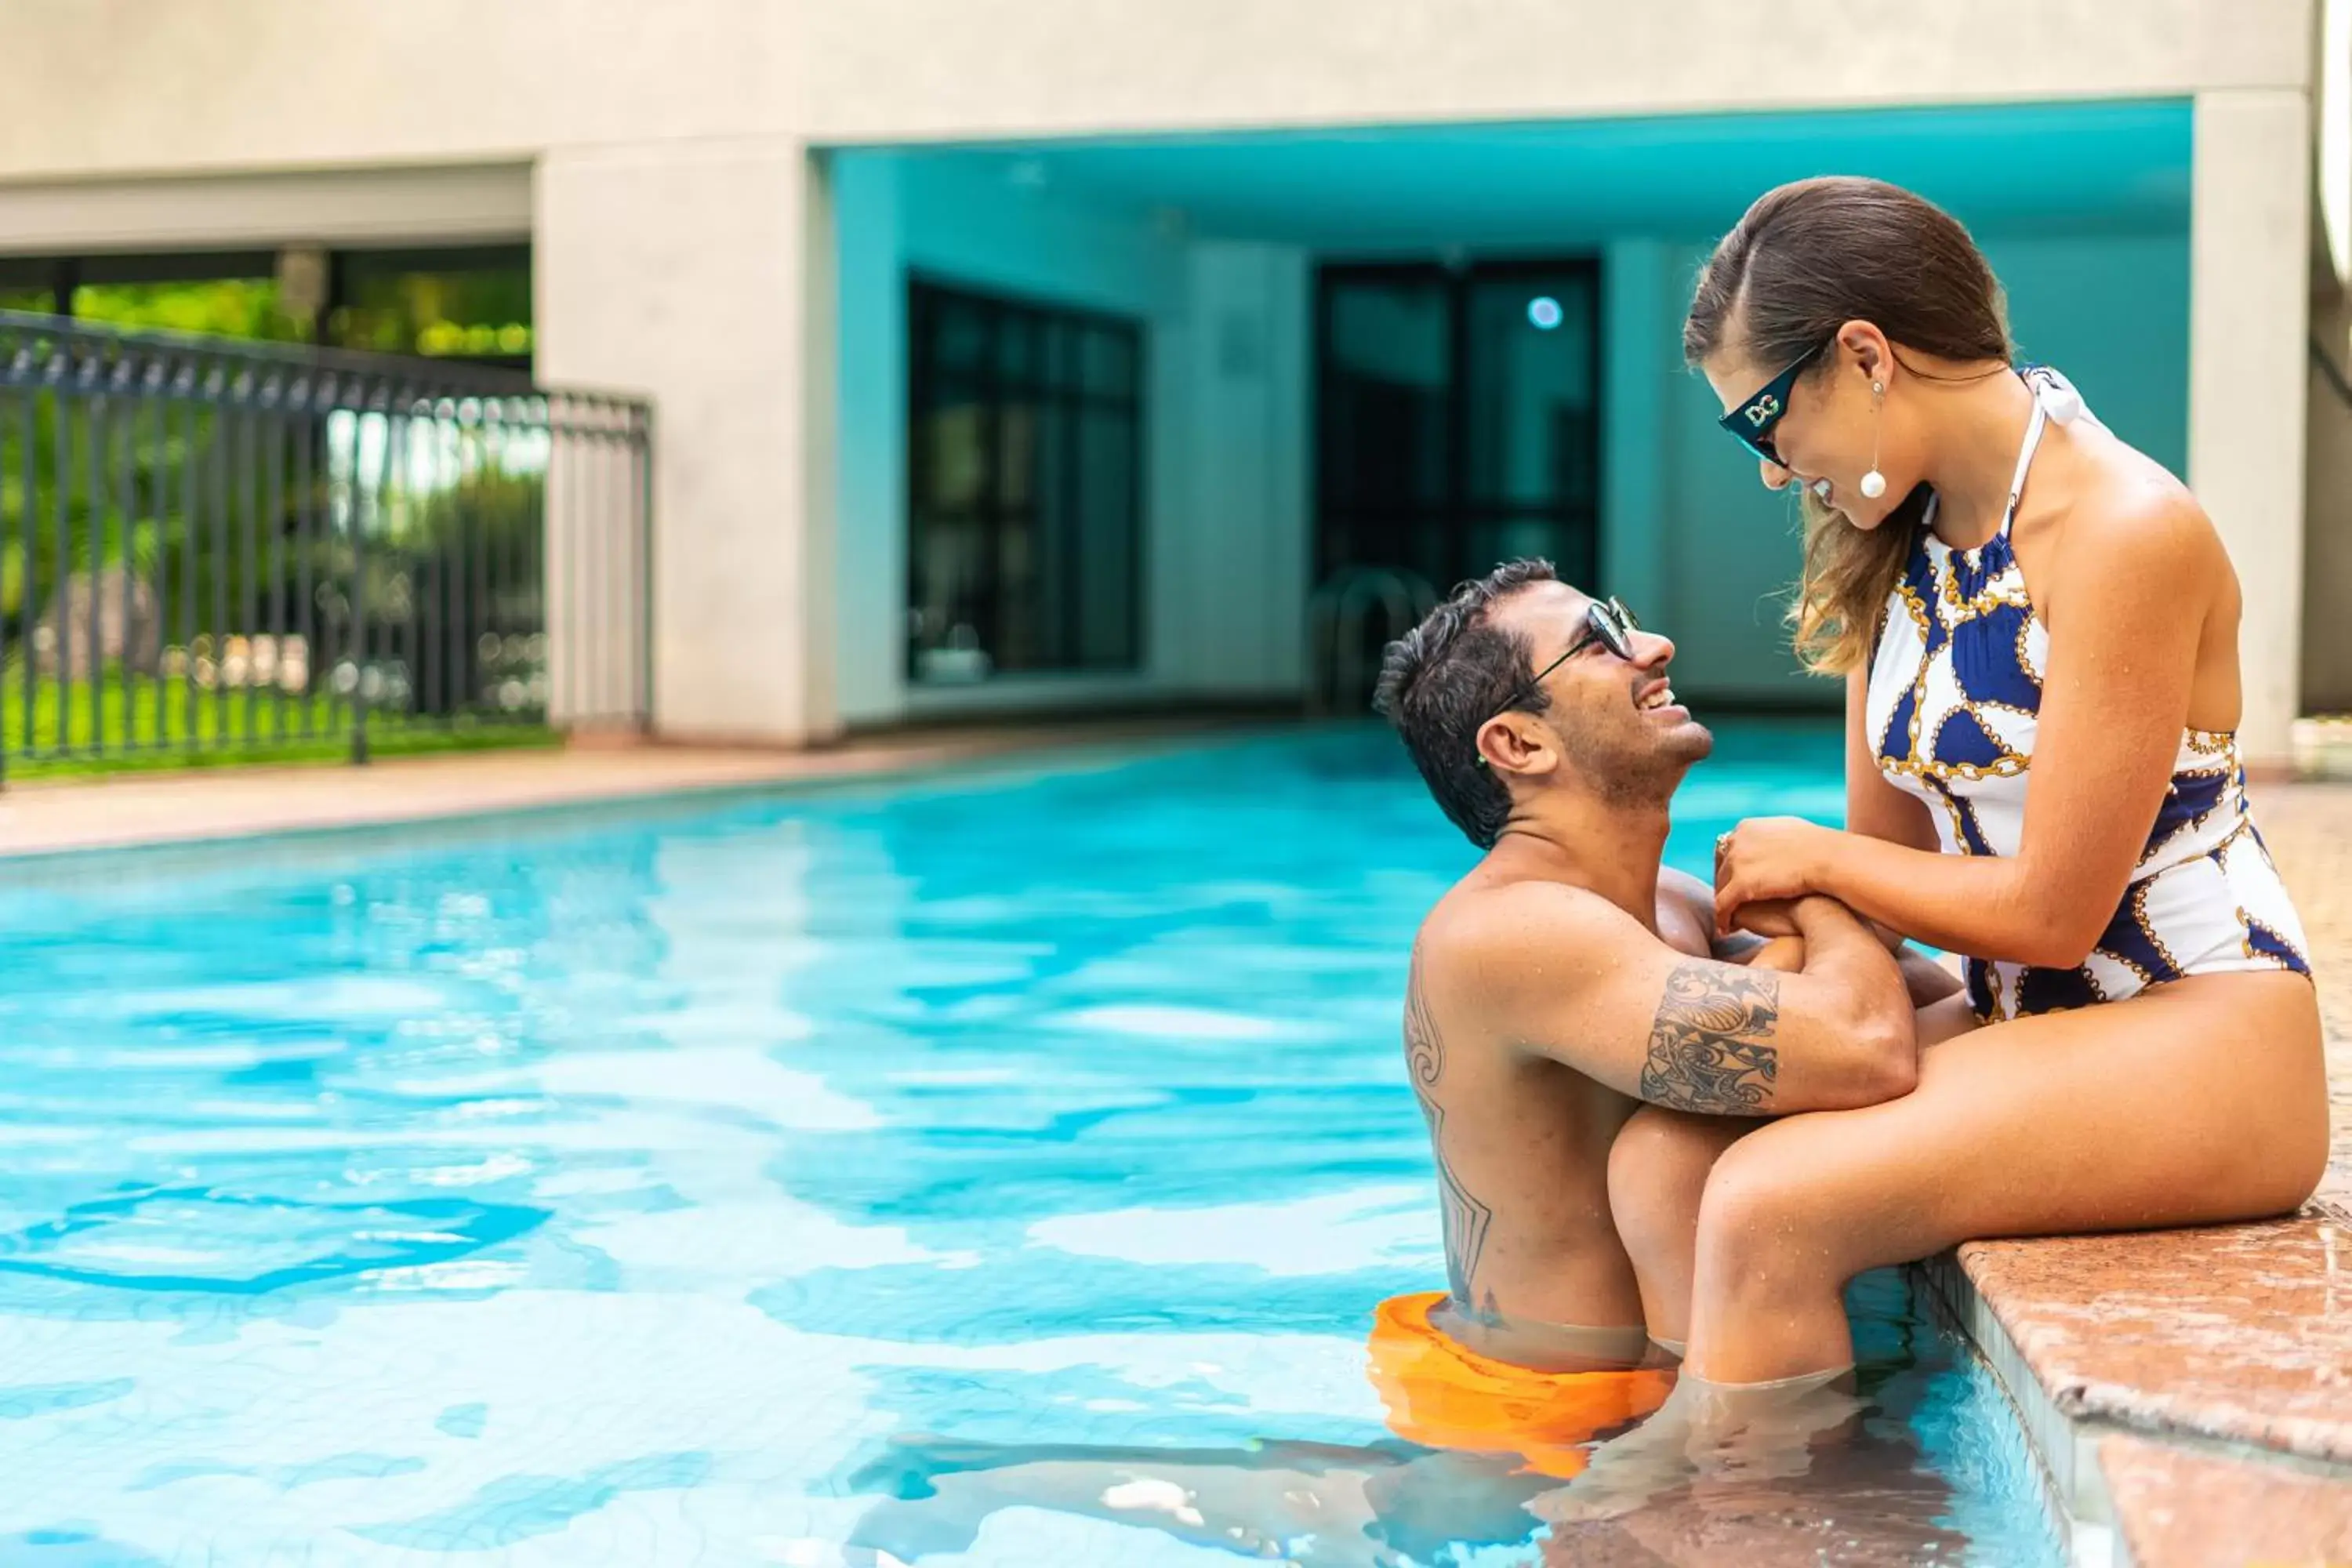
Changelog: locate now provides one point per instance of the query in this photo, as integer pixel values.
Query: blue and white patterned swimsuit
(1955, 691)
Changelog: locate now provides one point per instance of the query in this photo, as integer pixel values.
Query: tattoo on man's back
(1425, 1048)
(1465, 1219)
(1706, 1044)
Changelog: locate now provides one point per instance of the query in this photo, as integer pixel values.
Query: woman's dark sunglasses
(1751, 422)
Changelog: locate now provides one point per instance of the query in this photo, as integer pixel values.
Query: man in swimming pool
(1568, 980)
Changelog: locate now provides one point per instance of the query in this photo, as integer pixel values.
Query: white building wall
(679, 269)
(138, 88)
(681, 245)
(448, 203)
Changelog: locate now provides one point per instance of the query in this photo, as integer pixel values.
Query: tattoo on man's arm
(1707, 1050)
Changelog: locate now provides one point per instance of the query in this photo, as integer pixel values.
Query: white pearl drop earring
(1874, 483)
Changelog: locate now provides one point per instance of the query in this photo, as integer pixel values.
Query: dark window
(1024, 452)
(1458, 417)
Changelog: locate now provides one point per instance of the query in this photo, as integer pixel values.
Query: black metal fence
(214, 546)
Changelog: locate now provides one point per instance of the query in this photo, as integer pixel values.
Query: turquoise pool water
(992, 1169)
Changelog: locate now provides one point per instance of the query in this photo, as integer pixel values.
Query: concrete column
(2328, 484)
(2250, 280)
(1244, 525)
(2327, 521)
(871, 527)
(683, 269)
(1638, 351)
(819, 448)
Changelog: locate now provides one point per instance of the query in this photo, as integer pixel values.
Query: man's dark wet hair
(1443, 679)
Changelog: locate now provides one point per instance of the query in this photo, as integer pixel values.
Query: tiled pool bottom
(628, 1190)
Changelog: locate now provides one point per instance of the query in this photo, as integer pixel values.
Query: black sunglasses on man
(1606, 622)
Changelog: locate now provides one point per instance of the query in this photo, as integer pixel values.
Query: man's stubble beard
(1634, 774)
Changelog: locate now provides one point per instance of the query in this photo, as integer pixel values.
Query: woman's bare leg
(2198, 1102)
(1658, 1168)
(1657, 1171)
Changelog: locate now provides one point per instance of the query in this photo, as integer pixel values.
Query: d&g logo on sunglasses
(1763, 408)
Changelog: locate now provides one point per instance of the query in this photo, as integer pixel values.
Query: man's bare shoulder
(1504, 937)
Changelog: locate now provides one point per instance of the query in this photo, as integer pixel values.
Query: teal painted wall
(2114, 315)
(1224, 530)
(1689, 536)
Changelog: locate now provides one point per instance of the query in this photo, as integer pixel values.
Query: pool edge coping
(996, 752)
(2084, 1517)
(2067, 1450)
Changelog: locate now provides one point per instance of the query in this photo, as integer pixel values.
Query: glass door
(1458, 417)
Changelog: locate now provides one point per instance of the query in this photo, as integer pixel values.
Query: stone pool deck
(2192, 1391)
(121, 811)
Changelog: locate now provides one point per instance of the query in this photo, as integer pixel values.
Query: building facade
(1035, 353)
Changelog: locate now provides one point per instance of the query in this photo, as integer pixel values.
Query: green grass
(145, 725)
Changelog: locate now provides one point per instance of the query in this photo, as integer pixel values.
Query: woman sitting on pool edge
(2011, 594)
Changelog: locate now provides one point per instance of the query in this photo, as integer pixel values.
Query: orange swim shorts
(1443, 1395)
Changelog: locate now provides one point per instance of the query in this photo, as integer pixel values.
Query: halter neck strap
(2054, 397)
(2033, 429)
